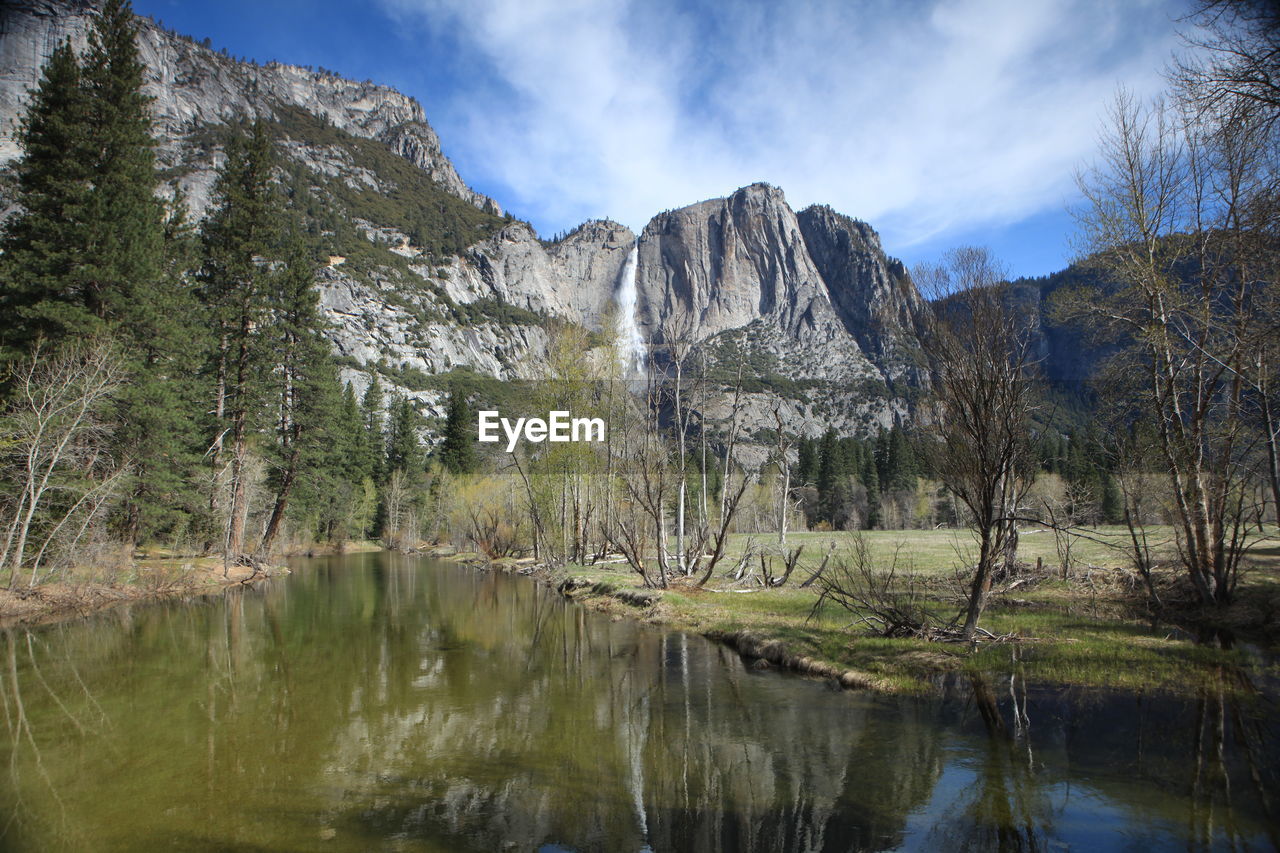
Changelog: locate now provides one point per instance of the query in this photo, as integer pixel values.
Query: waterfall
(631, 348)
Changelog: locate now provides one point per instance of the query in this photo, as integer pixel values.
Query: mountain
(195, 87)
(427, 276)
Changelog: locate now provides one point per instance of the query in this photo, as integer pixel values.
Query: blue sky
(940, 123)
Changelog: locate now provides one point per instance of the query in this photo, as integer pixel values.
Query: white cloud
(922, 118)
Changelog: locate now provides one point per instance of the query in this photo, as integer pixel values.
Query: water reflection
(377, 702)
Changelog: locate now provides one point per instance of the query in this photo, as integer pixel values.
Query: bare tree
(677, 335)
(1169, 219)
(978, 420)
(398, 531)
(53, 449)
(1230, 85)
(1237, 58)
(784, 475)
(888, 603)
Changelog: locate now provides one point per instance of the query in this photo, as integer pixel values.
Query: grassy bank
(1089, 629)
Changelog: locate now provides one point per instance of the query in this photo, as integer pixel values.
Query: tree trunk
(1272, 438)
(981, 586)
(235, 524)
(282, 503)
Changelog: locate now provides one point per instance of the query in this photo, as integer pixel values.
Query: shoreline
(153, 581)
(759, 627)
(896, 666)
(152, 577)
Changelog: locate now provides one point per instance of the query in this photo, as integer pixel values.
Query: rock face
(195, 87)
(871, 292)
(816, 290)
(810, 299)
(574, 279)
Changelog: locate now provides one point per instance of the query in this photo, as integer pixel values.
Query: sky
(939, 122)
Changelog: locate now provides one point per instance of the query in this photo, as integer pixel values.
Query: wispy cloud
(922, 118)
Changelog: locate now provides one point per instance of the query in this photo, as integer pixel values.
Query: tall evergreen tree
(404, 450)
(41, 295)
(807, 462)
(371, 414)
(352, 445)
(902, 462)
(136, 279)
(871, 479)
(828, 474)
(457, 451)
(305, 396)
(235, 279)
(883, 461)
(125, 234)
(160, 409)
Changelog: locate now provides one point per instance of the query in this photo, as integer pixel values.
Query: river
(383, 702)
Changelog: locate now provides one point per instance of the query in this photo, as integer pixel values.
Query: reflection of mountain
(380, 700)
(537, 721)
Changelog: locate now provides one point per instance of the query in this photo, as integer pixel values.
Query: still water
(379, 702)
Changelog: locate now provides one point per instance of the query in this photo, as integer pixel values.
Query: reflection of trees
(449, 709)
(1006, 807)
(1153, 769)
(26, 764)
(1223, 735)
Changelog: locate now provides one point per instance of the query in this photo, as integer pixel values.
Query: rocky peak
(872, 293)
(195, 86)
(724, 263)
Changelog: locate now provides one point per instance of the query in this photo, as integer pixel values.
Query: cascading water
(631, 348)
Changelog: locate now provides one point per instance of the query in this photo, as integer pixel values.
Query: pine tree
(457, 451)
(235, 281)
(807, 462)
(352, 444)
(41, 295)
(159, 410)
(137, 280)
(883, 459)
(828, 473)
(306, 393)
(404, 451)
(902, 462)
(125, 234)
(871, 479)
(375, 441)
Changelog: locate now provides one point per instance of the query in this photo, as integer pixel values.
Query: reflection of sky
(938, 123)
(1071, 814)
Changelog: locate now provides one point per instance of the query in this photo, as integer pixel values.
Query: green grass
(1072, 632)
(937, 552)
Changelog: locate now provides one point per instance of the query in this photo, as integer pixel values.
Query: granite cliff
(825, 317)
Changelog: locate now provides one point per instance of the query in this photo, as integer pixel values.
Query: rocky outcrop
(815, 290)
(195, 86)
(383, 320)
(871, 292)
(723, 263)
(575, 278)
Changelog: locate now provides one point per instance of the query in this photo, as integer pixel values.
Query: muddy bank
(148, 580)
